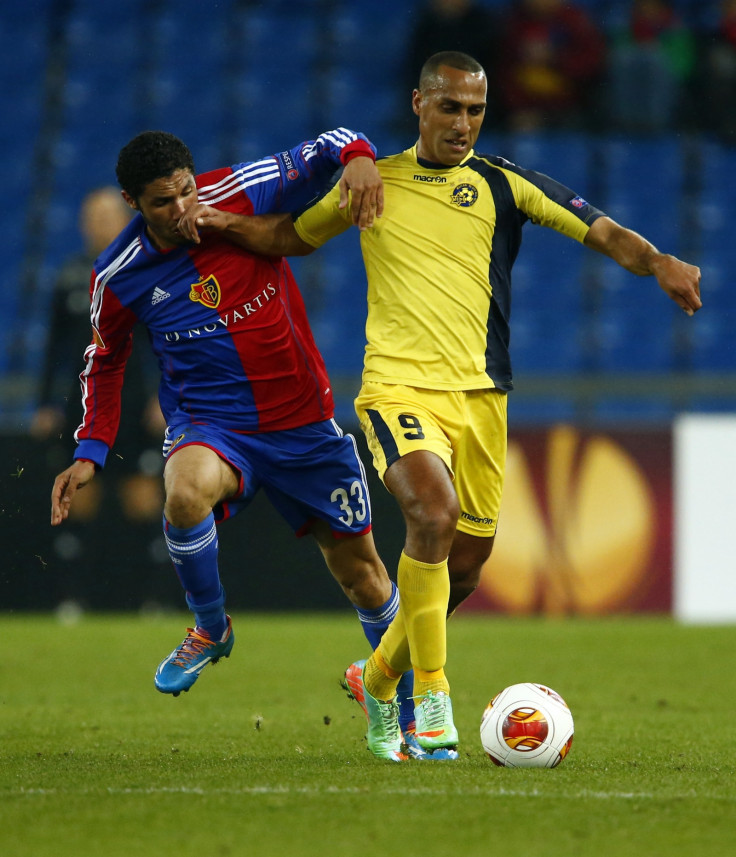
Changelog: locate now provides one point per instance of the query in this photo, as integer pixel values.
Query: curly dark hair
(150, 156)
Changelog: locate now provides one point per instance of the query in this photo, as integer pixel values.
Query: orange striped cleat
(384, 734)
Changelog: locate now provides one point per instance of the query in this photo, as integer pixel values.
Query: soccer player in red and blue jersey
(243, 389)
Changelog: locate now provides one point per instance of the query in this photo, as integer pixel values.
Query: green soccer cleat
(384, 735)
(434, 726)
(182, 667)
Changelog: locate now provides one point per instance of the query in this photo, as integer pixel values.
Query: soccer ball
(527, 726)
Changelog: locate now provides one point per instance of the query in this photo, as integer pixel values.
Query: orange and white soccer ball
(527, 726)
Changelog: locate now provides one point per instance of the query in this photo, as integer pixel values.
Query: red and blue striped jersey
(229, 328)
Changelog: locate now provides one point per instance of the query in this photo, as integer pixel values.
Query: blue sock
(374, 624)
(376, 621)
(194, 553)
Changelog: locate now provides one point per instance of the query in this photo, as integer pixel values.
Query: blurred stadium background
(592, 346)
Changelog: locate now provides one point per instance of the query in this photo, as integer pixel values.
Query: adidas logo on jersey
(158, 296)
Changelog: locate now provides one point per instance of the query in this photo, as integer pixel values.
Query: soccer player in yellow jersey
(437, 368)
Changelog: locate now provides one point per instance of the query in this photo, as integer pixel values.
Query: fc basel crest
(207, 292)
(465, 195)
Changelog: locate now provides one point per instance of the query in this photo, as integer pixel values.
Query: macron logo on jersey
(158, 296)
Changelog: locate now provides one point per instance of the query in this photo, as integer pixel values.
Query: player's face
(162, 204)
(450, 114)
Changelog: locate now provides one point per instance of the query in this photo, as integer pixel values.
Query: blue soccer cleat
(181, 669)
(414, 750)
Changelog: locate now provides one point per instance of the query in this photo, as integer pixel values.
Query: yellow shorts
(467, 430)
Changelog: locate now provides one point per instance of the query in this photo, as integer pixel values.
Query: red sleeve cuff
(356, 149)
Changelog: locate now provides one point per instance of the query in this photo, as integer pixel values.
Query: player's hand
(362, 186)
(199, 218)
(680, 281)
(66, 486)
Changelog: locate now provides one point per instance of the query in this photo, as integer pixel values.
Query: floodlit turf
(264, 756)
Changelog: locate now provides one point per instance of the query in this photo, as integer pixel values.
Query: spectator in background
(651, 61)
(132, 485)
(451, 25)
(103, 214)
(715, 79)
(549, 68)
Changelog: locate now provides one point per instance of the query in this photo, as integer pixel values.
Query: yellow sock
(378, 678)
(426, 681)
(394, 646)
(425, 592)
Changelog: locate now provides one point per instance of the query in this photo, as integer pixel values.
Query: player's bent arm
(65, 487)
(678, 279)
(267, 234)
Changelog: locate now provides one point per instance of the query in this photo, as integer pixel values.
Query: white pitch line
(411, 791)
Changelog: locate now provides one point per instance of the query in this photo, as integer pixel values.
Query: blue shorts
(308, 473)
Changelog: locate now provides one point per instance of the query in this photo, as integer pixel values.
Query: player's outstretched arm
(65, 487)
(679, 280)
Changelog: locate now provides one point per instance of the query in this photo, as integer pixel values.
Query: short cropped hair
(452, 59)
(150, 156)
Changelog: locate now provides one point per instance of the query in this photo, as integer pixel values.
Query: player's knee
(432, 521)
(185, 505)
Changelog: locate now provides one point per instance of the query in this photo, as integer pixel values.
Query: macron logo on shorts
(158, 296)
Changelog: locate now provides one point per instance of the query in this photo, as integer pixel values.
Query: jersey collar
(431, 165)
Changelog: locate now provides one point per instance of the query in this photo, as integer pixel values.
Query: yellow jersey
(438, 264)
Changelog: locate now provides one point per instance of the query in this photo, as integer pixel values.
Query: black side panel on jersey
(504, 250)
(554, 190)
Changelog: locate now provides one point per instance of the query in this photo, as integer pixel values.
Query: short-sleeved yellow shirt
(438, 264)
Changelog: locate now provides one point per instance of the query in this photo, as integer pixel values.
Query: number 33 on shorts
(353, 505)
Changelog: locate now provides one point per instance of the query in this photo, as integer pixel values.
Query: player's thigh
(313, 473)
(480, 463)
(397, 420)
(196, 474)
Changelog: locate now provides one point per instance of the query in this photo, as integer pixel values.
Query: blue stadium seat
(713, 404)
(621, 290)
(713, 341)
(546, 341)
(549, 270)
(274, 97)
(366, 37)
(23, 51)
(334, 290)
(565, 157)
(644, 182)
(352, 98)
(715, 206)
(653, 409)
(558, 408)
(631, 339)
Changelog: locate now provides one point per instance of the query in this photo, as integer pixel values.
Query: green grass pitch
(265, 755)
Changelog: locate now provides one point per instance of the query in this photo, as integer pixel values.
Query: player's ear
(416, 101)
(129, 199)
